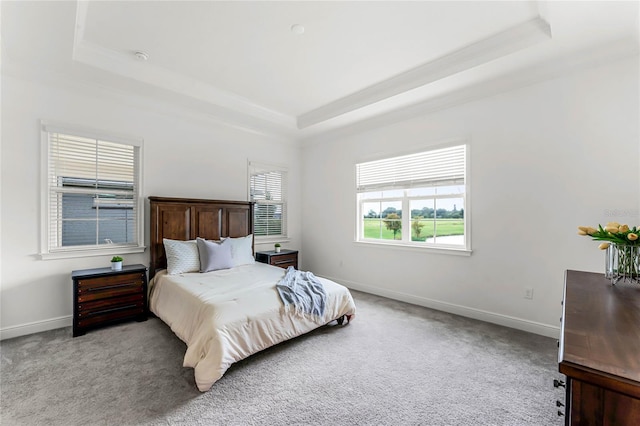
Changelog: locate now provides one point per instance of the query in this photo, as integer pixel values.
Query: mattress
(227, 315)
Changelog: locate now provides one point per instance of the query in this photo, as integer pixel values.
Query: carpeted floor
(395, 364)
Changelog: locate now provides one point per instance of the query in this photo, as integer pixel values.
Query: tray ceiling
(242, 62)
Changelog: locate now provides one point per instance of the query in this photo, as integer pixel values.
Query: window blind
(90, 159)
(268, 190)
(429, 168)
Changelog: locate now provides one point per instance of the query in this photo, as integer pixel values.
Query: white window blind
(92, 198)
(268, 189)
(444, 166)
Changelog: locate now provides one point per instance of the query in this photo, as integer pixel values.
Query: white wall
(183, 157)
(544, 159)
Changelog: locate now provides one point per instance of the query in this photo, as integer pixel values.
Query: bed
(229, 313)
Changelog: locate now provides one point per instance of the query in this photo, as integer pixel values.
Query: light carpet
(395, 364)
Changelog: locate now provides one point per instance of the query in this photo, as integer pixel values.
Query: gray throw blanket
(304, 291)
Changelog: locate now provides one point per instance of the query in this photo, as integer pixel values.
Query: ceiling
(241, 63)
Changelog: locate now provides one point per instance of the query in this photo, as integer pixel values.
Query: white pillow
(182, 256)
(242, 250)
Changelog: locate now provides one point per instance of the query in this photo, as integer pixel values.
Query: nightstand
(102, 296)
(284, 259)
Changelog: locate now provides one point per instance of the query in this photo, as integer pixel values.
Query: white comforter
(225, 316)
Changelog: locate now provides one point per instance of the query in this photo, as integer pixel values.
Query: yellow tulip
(591, 230)
(616, 224)
(582, 232)
(603, 246)
(632, 237)
(583, 228)
(623, 228)
(611, 228)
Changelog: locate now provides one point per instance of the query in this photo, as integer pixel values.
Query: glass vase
(622, 263)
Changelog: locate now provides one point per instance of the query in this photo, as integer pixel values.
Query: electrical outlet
(528, 293)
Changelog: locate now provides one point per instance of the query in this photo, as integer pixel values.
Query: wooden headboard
(188, 218)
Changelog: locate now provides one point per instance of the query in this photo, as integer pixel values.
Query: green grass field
(375, 228)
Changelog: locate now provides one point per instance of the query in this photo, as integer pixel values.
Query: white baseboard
(504, 320)
(35, 327)
(492, 317)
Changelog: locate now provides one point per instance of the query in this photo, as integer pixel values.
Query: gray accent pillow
(214, 255)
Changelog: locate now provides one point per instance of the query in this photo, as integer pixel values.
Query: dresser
(283, 259)
(102, 296)
(599, 350)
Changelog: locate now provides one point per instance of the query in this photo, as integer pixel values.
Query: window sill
(272, 240)
(68, 254)
(455, 251)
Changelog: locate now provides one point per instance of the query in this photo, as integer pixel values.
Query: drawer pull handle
(559, 404)
(558, 383)
(560, 413)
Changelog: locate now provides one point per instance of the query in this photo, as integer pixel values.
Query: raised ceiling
(241, 62)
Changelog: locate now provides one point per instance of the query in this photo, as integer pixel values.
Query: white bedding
(225, 316)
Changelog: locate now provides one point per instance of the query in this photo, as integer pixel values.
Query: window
(268, 189)
(91, 194)
(417, 200)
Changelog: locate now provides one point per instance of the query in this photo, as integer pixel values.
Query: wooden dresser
(102, 296)
(284, 259)
(599, 350)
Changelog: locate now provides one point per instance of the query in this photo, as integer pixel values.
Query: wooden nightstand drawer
(106, 282)
(115, 290)
(102, 296)
(114, 314)
(284, 259)
(99, 306)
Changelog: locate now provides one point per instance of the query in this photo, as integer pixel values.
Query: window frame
(46, 128)
(406, 243)
(252, 166)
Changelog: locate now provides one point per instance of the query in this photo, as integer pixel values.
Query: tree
(417, 226)
(389, 210)
(442, 214)
(425, 212)
(372, 214)
(457, 214)
(393, 223)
